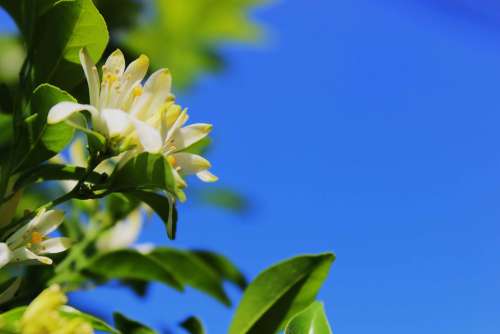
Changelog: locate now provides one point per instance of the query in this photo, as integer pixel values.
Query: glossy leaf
(192, 271)
(129, 326)
(145, 171)
(41, 141)
(163, 205)
(193, 325)
(130, 264)
(279, 292)
(311, 320)
(68, 26)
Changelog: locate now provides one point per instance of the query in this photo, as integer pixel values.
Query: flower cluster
(30, 242)
(139, 117)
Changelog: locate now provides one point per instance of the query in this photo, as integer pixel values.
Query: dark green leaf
(223, 267)
(311, 320)
(130, 264)
(145, 170)
(192, 271)
(164, 206)
(193, 325)
(68, 26)
(225, 198)
(50, 172)
(41, 141)
(129, 326)
(278, 293)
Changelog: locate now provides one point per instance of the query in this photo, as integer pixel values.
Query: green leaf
(224, 198)
(96, 323)
(50, 172)
(279, 292)
(130, 264)
(10, 320)
(6, 130)
(192, 271)
(311, 320)
(11, 58)
(185, 36)
(129, 326)
(145, 171)
(193, 325)
(222, 266)
(164, 206)
(64, 29)
(41, 141)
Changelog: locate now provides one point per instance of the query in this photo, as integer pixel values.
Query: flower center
(137, 91)
(36, 237)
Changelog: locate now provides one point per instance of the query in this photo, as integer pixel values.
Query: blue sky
(368, 128)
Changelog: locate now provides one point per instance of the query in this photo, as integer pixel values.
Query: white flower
(140, 117)
(123, 234)
(30, 242)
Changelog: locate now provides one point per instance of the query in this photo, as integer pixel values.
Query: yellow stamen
(171, 160)
(137, 91)
(109, 77)
(36, 237)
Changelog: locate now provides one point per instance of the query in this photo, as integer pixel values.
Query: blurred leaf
(41, 141)
(119, 205)
(223, 267)
(6, 130)
(10, 320)
(96, 323)
(130, 264)
(193, 325)
(279, 292)
(119, 14)
(129, 326)
(192, 271)
(312, 320)
(11, 58)
(224, 198)
(164, 207)
(184, 35)
(68, 26)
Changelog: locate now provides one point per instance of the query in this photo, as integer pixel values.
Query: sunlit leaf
(185, 35)
(311, 320)
(279, 292)
(41, 141)
(223, 267)
(68, 26)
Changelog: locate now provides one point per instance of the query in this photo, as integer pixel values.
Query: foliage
(113, 156)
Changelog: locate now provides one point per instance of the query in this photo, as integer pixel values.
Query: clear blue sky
(369, 128)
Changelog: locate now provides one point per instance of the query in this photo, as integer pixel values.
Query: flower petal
(63, 110)
(5, 254)
(206, 176)
(115, 64)
(190, 134)
(24, 254)
(122, 234)
(117, 122)
(47, 222)
(130, 82)
(52, 245)
(155, 93)
(148, 136)
(190, 163)
(91, 75)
